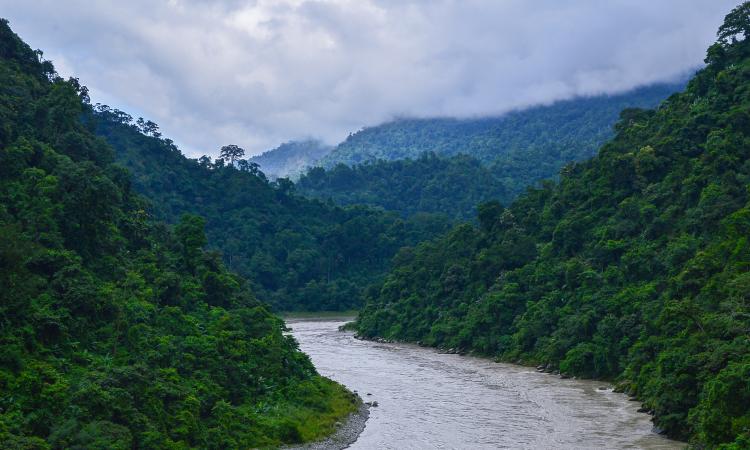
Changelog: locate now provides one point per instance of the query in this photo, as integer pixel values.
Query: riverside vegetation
(117, 331)
(634, 267)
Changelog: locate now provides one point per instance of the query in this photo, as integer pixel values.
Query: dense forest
(634, 267)
(291, 158)
(116, 331)
(443, 185)
(297, 254)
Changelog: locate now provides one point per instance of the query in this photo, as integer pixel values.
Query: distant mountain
(543, 136)
(449, 165)
(291, 158)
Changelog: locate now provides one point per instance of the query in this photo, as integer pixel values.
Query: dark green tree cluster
(297, 253)
(634, 267)
(452, 186)
(117, 332)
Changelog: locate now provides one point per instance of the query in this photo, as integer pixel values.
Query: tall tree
(232, 152)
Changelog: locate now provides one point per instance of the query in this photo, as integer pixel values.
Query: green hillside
(118, 332)
(634, 267)
(567, 130)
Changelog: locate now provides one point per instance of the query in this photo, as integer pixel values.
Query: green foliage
(451, 186)
(635, 266)
(117, 332)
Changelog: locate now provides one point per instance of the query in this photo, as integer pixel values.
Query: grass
(311, 412)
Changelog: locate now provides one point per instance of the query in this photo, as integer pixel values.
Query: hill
(448, 166)
(291, 158)
(465, 162)
(117, 331)
(634, 267)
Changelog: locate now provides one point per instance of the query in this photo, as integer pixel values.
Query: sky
(258, 73)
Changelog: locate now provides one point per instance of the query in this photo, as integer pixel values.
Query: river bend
(429, 400)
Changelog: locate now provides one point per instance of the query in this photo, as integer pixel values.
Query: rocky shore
(346, 434)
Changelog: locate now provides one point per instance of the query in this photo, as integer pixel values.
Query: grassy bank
(302, 418)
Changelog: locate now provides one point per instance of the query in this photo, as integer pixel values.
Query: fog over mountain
(258, 73)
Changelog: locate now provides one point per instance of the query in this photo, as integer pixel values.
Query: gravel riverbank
(345, 435)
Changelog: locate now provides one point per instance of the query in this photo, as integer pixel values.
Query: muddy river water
(430, 400)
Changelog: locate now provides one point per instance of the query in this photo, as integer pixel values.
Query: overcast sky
(258, 73)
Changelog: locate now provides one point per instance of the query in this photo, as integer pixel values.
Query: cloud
(258, 73)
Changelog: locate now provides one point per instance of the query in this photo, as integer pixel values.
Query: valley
(393, 290)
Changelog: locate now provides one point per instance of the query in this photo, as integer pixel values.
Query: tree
(192, 238)
(232, 152)
(737, 22)
(488, 213)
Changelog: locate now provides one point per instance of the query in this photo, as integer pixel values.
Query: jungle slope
(118, 332)
(567, 130)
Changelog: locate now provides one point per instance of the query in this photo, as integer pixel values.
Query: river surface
(429, 400)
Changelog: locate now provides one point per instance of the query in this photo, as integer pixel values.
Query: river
(430, 400)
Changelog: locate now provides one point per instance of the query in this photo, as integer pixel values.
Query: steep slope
(298, 254)
(636, 266)
(452, 186)
(291, 158)
(117, 332)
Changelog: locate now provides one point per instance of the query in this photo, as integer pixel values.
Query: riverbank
(345, 435)
(347, 315)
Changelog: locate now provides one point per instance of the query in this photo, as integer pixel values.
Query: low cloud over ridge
(257, 73)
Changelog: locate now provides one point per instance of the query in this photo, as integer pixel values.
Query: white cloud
(257, 73)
